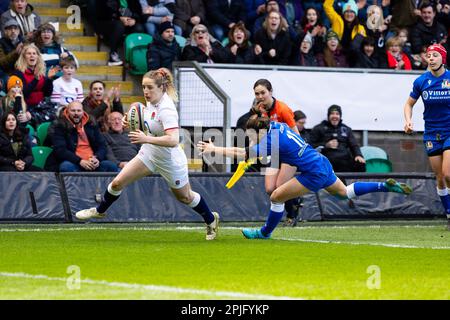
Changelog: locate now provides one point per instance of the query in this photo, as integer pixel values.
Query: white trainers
(213, 228)
(89, 214)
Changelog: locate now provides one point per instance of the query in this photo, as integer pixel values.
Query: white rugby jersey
(64, 92)
(157, 119)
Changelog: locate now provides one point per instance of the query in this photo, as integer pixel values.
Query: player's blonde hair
(163, 77)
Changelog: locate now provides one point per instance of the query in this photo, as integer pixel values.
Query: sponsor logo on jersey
(446, 84)
(425, 95)
(429, 145)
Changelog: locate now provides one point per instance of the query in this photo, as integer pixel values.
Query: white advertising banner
(369, 101)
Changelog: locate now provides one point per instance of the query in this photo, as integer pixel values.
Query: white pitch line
(389, 245)
(186, 228)
(152, 288)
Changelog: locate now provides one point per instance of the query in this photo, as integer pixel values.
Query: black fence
(55, 197)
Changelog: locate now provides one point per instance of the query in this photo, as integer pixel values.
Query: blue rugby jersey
(435, 93)
(291, 148)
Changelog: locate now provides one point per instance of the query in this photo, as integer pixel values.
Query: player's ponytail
(163, 77)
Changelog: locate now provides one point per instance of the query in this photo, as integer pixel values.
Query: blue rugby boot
(254, 234)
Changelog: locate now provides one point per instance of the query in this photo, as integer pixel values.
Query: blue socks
(445, 199)
(360, 188)
(108, 199)
(200, 206)
(275, 215)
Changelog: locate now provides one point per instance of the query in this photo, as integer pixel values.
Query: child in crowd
(67, 89)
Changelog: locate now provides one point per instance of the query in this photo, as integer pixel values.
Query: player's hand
(205, 147)
(360, 159)
(137, 137)
(409, 127)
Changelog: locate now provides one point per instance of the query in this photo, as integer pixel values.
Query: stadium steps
(93, 64)
(126, 87)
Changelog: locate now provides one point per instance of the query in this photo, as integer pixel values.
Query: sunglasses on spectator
(200, 31)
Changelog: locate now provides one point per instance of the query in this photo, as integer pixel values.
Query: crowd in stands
(38, 81)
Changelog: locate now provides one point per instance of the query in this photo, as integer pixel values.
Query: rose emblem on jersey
(153, 116)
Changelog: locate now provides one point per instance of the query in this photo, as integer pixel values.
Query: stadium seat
(40, 155)
(378, 166)
(31, 131)
(181, 40)
(42, 131)
(136, 52)
(371, 152)
(225, 41)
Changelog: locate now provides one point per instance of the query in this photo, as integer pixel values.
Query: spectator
(376, 27)
(15, 146)
(203, 47)
(30, 68)
(14, 102)
(66, 88)
(78, 144)
(164, 48)
(300, 120)
(11, 46)
(347, 26)
(384, 5)
(368, 57)
(24, 14)
(312, 24)
(239, 46)
(99, 105)
(292, 10)
(271, 5)
(443, 15)
(332, 55)
(337, 142)
(255, 9)
(223, 15)
(272, 42)
(418, 61)
(396, 59)
(404, 13)
(427, 30)
(113, 21)
(304, 55)
(189, 13)
(52, 51)
(156, 12)
(119, 148)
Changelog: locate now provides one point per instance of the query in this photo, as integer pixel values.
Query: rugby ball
(135, 117)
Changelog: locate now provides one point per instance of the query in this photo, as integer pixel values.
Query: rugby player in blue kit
(434, 88)
(279, 141)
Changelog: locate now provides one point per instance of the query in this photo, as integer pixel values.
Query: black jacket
(243, 55)
(161, 53)
(65, 140)
(7, 155)
(347, 149)
(219, 12)
(193, 53)
(281, 43)
(423, 36)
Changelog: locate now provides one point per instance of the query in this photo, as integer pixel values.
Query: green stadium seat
(136, 52)
(31, 132)
(42, 131)
(372, 152)
(378, 166)
(181, 40)
(40, 155)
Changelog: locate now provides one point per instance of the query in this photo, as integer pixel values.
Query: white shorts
(174, 169)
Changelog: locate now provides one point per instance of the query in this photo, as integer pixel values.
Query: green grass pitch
(320, 260)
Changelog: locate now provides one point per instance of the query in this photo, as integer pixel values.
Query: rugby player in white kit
(160, 153)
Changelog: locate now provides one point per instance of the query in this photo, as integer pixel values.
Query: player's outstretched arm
(407, 111)
(231, 152)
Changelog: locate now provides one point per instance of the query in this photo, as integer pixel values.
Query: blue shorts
(321, 178)
(436, 143)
